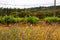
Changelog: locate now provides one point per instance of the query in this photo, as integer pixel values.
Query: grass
(30, 33)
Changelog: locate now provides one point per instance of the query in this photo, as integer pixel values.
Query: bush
(9, 19)
(58, 20)
(52, 19)
(24, 19)
(18, 19)
(0, 19)
(32, 20)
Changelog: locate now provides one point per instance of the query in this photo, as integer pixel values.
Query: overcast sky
(26, 3)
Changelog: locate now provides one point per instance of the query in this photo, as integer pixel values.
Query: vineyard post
(54, 14)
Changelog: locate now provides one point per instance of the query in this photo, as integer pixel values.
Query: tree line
(40, 12)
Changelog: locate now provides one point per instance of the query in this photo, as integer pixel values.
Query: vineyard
(29, 24)
(29, 28)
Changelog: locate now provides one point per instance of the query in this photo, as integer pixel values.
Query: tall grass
(30, 33)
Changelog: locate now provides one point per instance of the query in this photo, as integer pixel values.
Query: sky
(27, 3)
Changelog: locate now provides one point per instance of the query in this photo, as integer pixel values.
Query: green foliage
(32, 19)
(0, 19)
(9, 19)
(52, 19)
(58, 19)
(40, 12)
(18, 19)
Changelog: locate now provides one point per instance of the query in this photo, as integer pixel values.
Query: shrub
(0, 19)
(52, 19)
(18, 19)
(58, 20)
(24, 19)
(32, 19)
(9, 19)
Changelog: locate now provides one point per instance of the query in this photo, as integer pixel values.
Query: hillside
(44, 8)
(40, 12)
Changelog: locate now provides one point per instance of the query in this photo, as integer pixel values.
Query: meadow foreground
(30, 33)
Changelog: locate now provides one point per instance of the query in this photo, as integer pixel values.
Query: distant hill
(44, 8)
(36, 11)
